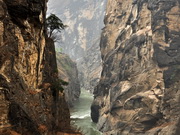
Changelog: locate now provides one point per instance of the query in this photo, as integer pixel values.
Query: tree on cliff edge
(54, 25)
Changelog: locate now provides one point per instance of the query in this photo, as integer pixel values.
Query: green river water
(80, 114)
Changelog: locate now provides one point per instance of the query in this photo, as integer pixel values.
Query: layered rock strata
(139, 90)
(30, 102)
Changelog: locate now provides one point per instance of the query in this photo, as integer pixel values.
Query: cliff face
(68, 72)
(139, 91)
(90, 67)
(81, 38)
(30, 102)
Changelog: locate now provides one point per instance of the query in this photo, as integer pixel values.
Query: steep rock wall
(90, 67)
(30, 102)
(139, 91)
(68, 72)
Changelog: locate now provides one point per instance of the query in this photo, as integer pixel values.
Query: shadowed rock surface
(68, 72)
(30, 103)
(139, 91)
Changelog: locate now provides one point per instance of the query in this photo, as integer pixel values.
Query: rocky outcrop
(30, 101)
(82, 36)
(68, 72)
(139, 91)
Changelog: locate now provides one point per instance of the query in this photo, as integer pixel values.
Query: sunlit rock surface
(138, 93)
(68, 72)
(80, 40)
(29, 101)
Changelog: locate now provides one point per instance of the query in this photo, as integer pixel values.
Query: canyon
(132, 60)
(138, 92)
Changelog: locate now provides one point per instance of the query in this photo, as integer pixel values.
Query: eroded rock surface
(139, 88)
(30, 102)
(68, 72)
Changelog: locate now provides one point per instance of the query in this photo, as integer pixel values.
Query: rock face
(139, 91)
(90, 67)
(81, 38)
(68, 72)
(30, 103)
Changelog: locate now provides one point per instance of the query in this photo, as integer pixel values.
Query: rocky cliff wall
(30, 102)
(68, 72)
(90, 67)
(139, 90)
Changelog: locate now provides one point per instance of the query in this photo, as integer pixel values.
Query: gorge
(123, 74)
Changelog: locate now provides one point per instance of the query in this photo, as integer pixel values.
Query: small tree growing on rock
(54, 25)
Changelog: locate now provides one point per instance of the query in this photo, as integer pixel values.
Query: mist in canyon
(80, 40)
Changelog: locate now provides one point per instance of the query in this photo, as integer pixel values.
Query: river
(80, 114)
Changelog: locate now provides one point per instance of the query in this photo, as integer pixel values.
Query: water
(80, 114)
